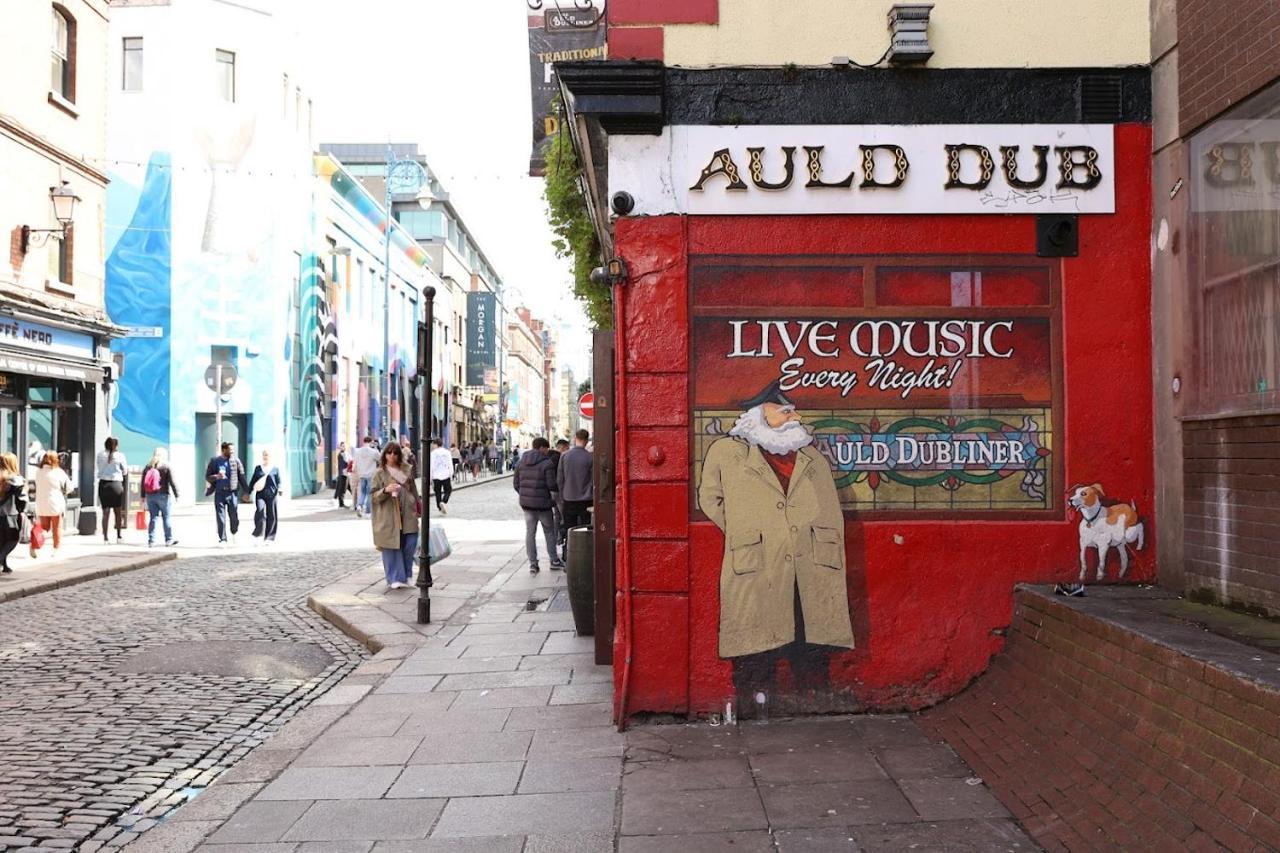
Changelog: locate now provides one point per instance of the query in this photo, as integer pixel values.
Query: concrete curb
(340, 605)
(79, 577)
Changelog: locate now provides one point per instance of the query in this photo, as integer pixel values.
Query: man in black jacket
(535, 483)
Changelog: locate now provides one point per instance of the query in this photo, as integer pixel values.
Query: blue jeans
(398, 565)
(364, 497)
(158, 505)
(226, 506)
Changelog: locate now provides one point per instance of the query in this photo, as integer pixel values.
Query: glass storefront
(40, 414)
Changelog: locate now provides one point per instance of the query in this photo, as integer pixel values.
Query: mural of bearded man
(783, 592)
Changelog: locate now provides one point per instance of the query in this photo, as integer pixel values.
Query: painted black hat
(771, 394)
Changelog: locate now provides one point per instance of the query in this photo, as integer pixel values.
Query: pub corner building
(883, 337)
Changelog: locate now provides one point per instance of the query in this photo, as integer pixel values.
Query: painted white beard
(752, 428)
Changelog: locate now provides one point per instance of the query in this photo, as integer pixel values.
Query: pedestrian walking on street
(535, 483)
(13, 503)
(515, 458)
(575, 477)
(456, 455)
(158, 489)
(225, 476)
(493, 456)
(113, 474)
(395, 516)
(52, 487)
(365, 460)
(441, 475)
(475, 460)
(265, 487)
(340, 481)
(410, 458)
(562, 446)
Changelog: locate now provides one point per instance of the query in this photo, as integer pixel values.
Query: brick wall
(1097, 738)
(1227, 49)
(1231, 511)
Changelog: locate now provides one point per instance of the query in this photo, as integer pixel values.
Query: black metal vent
(1101, 98)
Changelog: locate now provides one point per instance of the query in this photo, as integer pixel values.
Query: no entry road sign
(587, 405)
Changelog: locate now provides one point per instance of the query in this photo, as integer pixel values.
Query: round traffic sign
(587, 405)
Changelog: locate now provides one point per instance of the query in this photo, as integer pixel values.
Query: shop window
(1234, 269)
(59, 249)
(63, 71)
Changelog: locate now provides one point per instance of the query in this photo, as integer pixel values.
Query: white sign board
(806, 169)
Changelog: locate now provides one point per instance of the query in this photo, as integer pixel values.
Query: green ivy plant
(571, 223)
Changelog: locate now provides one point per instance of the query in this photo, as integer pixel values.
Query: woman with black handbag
(13, 505)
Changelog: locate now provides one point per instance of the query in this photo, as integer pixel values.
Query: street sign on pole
(587, 405)
(144, 332)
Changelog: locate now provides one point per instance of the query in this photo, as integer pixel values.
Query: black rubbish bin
(580, 575)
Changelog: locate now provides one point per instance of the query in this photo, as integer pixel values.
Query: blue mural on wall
(138, 276)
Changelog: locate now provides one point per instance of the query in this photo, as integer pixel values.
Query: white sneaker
(233, 540)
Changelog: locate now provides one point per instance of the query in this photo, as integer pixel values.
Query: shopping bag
(37, 536)
(437, 544)
(140, 519)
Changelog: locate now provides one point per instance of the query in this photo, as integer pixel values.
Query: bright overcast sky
(452, 76)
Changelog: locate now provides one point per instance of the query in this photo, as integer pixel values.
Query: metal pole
(386, 305)
(217, 406)
(502, 334)
(426, 336)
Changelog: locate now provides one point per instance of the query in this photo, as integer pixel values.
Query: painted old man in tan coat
(783, 592)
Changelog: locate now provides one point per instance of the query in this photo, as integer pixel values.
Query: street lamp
(408, 176)
(64, 208)
(426, 332)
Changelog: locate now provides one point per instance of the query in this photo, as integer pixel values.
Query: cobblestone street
(120, 699)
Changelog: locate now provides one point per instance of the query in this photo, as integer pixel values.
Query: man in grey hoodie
(574, 478)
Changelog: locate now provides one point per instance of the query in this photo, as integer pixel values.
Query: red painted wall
(930, 599)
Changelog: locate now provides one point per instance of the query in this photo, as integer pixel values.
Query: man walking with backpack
(535, 483)
(225, 476)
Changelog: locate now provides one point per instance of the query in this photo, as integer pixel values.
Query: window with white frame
(225, 79)
(63, 74)
(131, 64)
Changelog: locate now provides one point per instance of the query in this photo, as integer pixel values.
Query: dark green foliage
(570, 221)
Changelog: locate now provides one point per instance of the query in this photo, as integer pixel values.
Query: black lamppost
(426, 331)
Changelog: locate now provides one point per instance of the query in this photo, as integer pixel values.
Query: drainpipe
(624, 527)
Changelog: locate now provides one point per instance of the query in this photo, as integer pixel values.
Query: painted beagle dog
(1106, 523)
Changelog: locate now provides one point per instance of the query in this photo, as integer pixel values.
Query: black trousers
(444, 491)
(266, 517)
(9, 537)
(340, 488)
(758, 673)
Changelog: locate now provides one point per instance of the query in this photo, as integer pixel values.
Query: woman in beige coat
(395, 516)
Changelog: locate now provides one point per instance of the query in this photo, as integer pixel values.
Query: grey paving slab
(471, 747)
(504, 697)
(793, 735)
(366, 820)
(678, 812)
(174, 837)
(260, 765)
(335, 751)
(952, 799)
(687, 774)
(525, 643)
(582, 693)
(257, 822)
(343, 694)
(571, 842)
(952, 836)
(520, 678)
(334, 847)
(455, 719)
(359, 723)
(592, 675)
(829, 803)
(561, 717)
(487, 844)
(922, 762)
(883, 730)
(555, 776)
(560, 661)
(306, 726)
(490, 628)
(535, 814)
(406, 703)
(599, 742)
(702, 842)
(331, 783)
(408, 684)
(826, 765)
(217, 802)
(457, 780)
(659, 743)
(838, 840)
(242, 848)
